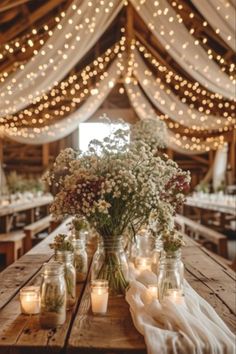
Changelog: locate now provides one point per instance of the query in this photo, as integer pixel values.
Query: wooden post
(129, 29)
(1, 150)
(170, 153)
(45, 157)
(232, 154)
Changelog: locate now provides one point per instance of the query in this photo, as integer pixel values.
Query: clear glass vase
(52, 296)
(157, 249)
(80, 260)
(170, 278)
(111, 264)
(67, 258)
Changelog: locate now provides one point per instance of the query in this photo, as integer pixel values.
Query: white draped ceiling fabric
(77, 33)
(144, 111)
(170, 104)
(67, 125)
(221, 16)
(162, 20)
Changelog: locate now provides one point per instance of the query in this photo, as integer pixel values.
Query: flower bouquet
(116, 184)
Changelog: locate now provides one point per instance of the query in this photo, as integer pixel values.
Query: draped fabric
(219, 167)
(78, 31)
(192, 327)
(170, 104)
(221, 15)
(67, 125)
(174, 36)
(144, 110)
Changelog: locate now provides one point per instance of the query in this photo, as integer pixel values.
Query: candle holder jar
(67, 258)
(157, 249)
(80, 260)
(98, 258)
(112, 265)
(99, 296)
(170, 276)
(29, 300)
(53, 296)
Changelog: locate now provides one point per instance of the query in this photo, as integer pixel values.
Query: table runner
(191, 328)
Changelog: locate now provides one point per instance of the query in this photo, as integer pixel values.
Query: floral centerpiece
(116, 184)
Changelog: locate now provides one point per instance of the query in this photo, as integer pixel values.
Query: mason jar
(170, 278)
(112, 265)
(67, 259)
(157, 249)
(52, 296)
(80, 260)
(97, 258)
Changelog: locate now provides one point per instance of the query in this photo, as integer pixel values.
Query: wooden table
(219, 206)
(28, 206)
(84, 333)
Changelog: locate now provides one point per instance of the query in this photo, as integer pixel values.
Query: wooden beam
(13, 4)
(45, 157)
(232, 153)
(129, 27)
(200, 159)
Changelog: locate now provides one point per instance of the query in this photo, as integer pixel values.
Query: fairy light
(69, 88)
(201, 22)
(208, 100)
(191, 143)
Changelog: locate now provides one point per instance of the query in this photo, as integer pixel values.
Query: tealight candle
(176, 296)
(151, 292)
(29, 300)
(99, 296)
(143, 263)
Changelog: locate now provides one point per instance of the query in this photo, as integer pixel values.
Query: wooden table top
(18, 206)
(84, 333)
(217, 205)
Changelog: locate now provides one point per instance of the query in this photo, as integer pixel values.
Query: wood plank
(118, 332)
(13, 278)
(29, 204)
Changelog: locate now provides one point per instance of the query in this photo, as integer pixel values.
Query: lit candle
(99, 296)
(151, 292)
(143, 263)
(29, 300)
(176, 296)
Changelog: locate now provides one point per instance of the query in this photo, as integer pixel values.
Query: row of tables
(84, 333)
(26, 205)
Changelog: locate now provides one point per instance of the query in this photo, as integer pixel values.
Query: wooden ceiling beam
(36, 15)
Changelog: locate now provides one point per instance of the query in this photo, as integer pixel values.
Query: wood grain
(113, 333)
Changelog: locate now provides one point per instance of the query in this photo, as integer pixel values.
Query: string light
(75, 89)
(208, 101)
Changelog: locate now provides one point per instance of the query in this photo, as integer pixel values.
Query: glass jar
(157, 249)
(80, 260)
(170, 278)
(67, 258)
(97, 258)
(112, 265)
(52, 296)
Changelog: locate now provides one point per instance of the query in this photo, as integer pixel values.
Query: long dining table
(27, 206)
(85, 333)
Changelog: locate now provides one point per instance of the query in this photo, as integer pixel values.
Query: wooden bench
(12, 245)
(33, 229)
(202, 234)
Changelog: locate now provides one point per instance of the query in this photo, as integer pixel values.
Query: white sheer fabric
(80, 29)
(180, 144)
(174, 36)
(220, 167)
(67, 125)
(170, 104)
(193, 327)
(221, 15)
